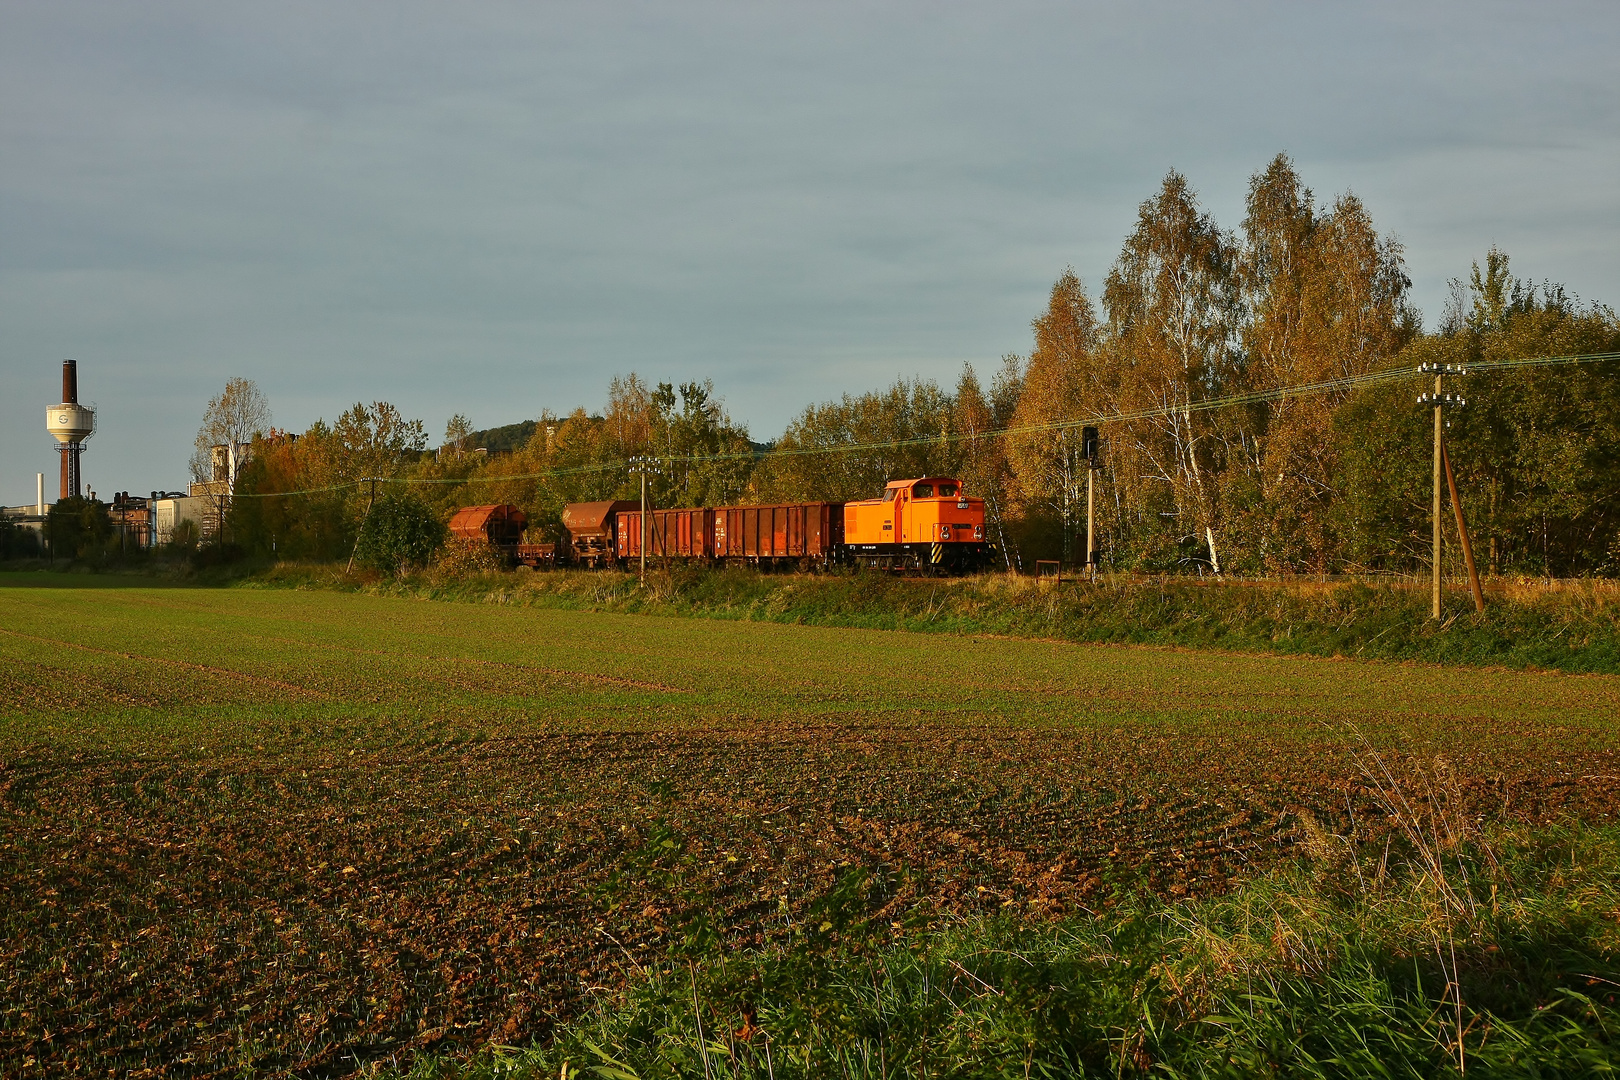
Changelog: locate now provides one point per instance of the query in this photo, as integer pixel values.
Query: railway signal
(1441, 399)
(1091, 447)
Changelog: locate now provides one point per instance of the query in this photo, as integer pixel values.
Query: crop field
(305, 831)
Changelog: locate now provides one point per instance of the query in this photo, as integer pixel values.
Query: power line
(1253, 397)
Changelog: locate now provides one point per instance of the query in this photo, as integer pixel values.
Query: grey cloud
(493, 208)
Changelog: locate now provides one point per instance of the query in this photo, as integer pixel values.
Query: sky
(492, 208)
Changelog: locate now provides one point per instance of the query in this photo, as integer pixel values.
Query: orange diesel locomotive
(926, 524)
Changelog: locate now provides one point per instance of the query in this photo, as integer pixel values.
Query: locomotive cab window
(888, 496)
(947, 490)
(923, 491)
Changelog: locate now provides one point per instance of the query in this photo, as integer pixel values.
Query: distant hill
(509, 437)
(513, 436)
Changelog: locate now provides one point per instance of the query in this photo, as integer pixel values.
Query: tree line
(1190, 316)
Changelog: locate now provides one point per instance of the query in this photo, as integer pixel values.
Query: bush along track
(1439, 955)
(1574, 627)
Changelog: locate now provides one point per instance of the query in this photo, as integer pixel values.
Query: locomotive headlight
(945, 532)
(978, 532)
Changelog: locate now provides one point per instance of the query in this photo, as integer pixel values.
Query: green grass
(1571, 626)
(244, 665)
(304, 831)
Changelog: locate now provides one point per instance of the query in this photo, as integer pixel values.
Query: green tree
(286, 504)
(859, 443)
(376, 441)
(457, 430)
(1064, 381)
(399, 533)
(17, 542)
(77, 528)
(1536, 451)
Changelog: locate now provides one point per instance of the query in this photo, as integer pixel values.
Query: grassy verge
(1476, 958)
(1574, 627)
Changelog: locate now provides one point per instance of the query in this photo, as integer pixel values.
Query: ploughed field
(308, 830)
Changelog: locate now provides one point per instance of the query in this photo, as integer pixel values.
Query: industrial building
(30, 516)
(139, 521)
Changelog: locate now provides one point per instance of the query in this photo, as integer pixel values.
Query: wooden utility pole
(643, 465)
(1435, 515)
(1440, 399)
(369, 504)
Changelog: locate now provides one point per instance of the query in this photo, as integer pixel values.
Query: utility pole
(1435, 514)
(1440, 400)
(643, 465)
(369, 504)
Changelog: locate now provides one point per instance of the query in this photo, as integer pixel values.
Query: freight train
(926, 525)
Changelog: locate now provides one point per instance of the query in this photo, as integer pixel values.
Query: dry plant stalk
(1435, 822)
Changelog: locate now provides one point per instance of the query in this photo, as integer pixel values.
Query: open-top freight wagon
(927, 525)
(785, 534)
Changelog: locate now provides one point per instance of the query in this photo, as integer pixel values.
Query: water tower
(70, 423)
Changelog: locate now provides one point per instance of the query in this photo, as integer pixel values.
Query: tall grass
(1423, 956)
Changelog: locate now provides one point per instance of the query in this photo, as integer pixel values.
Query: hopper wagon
(590, 531)
(500, 526)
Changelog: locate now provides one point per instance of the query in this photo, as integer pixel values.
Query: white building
(201, 510)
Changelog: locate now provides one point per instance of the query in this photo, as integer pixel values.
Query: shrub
(460, 558)
(399, 533)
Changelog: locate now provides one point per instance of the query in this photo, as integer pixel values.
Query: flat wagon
(537, 556)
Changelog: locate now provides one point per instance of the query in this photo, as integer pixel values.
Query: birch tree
(231, 421)
(1173, 313)
(1325, 299)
